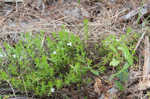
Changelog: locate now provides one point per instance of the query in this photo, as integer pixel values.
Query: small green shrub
(118, 53)
(41, 64)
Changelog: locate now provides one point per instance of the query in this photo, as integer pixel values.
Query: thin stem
(11, 88)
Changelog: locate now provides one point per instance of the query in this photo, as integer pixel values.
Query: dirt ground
(104, 18)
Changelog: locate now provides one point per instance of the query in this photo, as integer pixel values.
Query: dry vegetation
(105, 17)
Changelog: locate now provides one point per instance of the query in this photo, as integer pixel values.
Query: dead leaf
(98, 87)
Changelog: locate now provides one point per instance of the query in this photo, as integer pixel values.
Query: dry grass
(27, 19)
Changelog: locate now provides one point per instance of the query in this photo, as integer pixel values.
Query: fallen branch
(12, 88)
(13, 1)
(146, 67)
(145, 9)
(145, 82)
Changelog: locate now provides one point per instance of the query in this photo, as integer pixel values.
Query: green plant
(118, 53)
(79, 1)
(41, 64)
(86, 27)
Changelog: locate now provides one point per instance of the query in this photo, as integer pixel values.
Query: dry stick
(16, 6)
(13, 1)
(145, 82)
(145, 9)
(6, 17)
(11, 88)
(139, 41)
(146, 67)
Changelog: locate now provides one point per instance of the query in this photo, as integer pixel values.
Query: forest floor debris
(104, 19)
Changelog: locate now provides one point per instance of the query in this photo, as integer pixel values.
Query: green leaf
(123, 76)
(3, 75)
(112, 47)
(85, 22)
(95, 72)
(79, 1)
(59, 83)
(119, 85)
(125, 67)
(114, 62)
(129, 30)
(126, 53)
(102, 69)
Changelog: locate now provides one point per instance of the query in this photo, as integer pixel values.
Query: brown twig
(11, 88)
(139, 41)
(146, 67)
(145, 9)
(145, 82)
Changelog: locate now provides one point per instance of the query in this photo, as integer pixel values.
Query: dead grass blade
(145, 82)
(139, 41)
(146, 67)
